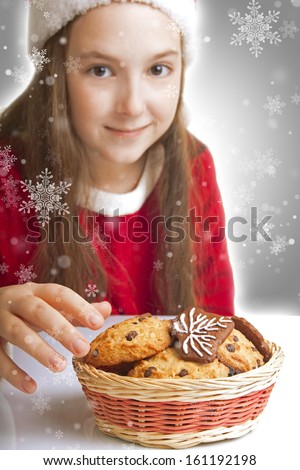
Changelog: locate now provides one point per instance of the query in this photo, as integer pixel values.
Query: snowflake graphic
(73, 64)
(198, 337)
(67, 377)
(263, 164)
(268, 227)
(54, 334)
(54, 22)
(234, 150)
(98, 242)
(59, 434)
(241, 264)
(288, 29)
(10, 189)
(45, 197)
(243, 194)
(129, 446)
(7, 159)
(25, 274)
(91, 290)
(296, 99)
(278, 245)
(52, 157)
(39, 4)
(171, 91)
(158, 265)
(19, 74)
(255, 28)
(41, 404)
(38, 58)
(274, 105)
(176, 29)
(4, 268)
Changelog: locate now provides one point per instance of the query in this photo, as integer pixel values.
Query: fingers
(36, 312)
(104, 308)
(14, 375)
(16, 332)
(77, 310)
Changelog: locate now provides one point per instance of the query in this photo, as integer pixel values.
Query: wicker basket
(178, 413)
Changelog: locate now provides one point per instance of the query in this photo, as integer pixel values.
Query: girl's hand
(28, 308)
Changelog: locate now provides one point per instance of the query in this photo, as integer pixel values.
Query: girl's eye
(100, 71)
(160, 70)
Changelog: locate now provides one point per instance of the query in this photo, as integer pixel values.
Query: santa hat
(47, 17)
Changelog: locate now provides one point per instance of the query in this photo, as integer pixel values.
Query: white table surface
(57, 416)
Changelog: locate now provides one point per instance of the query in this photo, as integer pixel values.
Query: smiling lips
(127, 132)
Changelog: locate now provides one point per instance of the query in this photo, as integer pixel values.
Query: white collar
(111, 204)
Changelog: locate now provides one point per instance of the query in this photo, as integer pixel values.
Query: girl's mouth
(127, 132)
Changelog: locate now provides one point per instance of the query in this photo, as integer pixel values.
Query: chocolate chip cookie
(168, 364)
(239, 353)
(130, 340)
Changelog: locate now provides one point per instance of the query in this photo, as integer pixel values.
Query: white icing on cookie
(199, 339)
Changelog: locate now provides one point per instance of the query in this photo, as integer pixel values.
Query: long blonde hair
(38, 125)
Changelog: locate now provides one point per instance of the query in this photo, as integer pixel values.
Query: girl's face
(125, 95)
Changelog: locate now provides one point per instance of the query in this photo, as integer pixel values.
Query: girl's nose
(130, 99)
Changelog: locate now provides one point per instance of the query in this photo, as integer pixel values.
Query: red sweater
(134, 253)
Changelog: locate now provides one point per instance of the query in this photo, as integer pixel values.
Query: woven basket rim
(180, 389)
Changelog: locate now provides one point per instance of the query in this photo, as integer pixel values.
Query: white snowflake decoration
(288, 29)
(38, 58)
(39, 4)
(98, 243)
(73, 64)
(268, 227)
(243, 194)
(4, 268)
(274, 105)
(91, 290)
(158, 265)
(45, 197)
(59, 434)
(176, 29)
(7, 159)
(52, 157)
(19, 75)
(10, 189)
(54, 22)
(66, 377)
(25, 274)
(198, 337)
(171, 91)
(255, 28)
(263, 164)
(278, 245)
(296, 99)
(241, 264)
(41, 404)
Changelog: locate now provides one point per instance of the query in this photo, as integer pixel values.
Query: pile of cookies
(196, 344)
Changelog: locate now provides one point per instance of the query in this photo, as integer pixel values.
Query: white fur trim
(47, 18)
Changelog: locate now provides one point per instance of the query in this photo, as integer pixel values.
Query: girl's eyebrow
(101, 55)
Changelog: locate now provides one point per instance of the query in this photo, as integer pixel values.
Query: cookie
(130, 340)
(168, 364)
(239, 354)
(253, 335)
(200, 333)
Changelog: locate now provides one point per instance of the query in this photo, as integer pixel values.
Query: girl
(105, 195)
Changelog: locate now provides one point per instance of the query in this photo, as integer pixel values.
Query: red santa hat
(47, 17)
